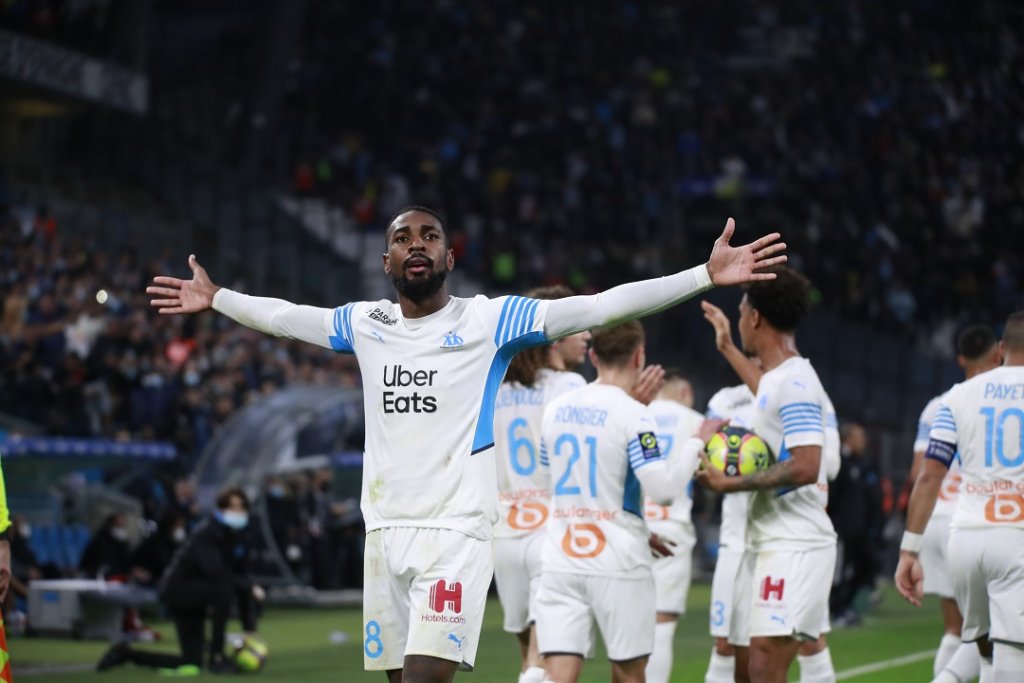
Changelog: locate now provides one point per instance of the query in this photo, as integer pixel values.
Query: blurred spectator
(107, 553)
(855, 506)
(153, 555)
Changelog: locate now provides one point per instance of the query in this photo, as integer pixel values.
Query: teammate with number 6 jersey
(535, 377)
(600, 446)
(982, 419)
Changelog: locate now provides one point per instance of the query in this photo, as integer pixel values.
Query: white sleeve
(662, 480)
(277, 317)
(625, 302)
(802, 414)
(924, 424)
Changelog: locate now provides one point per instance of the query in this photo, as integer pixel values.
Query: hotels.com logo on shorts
(583, 541)
(527, 516)
(445, 596)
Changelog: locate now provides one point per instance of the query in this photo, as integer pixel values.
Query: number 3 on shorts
(373, 646)
(717, 613)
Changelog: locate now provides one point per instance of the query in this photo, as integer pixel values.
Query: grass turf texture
(300, 648)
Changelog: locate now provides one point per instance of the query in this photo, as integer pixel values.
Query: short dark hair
(422, 209)
(614, 345)
(225, 496)
(784, 301)
(1013, 333)
(974, 341)
(526, 364)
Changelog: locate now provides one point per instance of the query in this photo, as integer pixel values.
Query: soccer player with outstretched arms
(982, 421)
(431, 365)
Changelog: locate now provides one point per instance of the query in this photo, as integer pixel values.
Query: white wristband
(911, 542)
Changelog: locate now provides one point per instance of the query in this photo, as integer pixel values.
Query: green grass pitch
(301, 650)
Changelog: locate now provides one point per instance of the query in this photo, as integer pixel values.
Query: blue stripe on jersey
(341, 340)
(784, 454)
(515, 322)
(801, 405)
(483, 438)
(631, 498)
(501, 321)
(944, 419)
(544, 453)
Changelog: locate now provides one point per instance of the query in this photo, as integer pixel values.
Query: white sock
(1008, 664)
(659, 665)
(947, 646)
(946, 676)
(721, 669)
(965, 664)
(985, 675)
(817, 668)
(534, 674)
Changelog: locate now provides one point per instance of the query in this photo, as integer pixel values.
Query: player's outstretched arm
(909, 575)
(748, 373)
(278, 317)
(728, 265)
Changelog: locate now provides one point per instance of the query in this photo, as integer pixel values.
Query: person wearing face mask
(106, 555)
(154, 554)
(208, 572)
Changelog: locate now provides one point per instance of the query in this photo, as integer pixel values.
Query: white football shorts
(424, 592)
(723, 591)
(517, 565)
(568, 606)
(987, 567)
(783, 593)
(937, 580)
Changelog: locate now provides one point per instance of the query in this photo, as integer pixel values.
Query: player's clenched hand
(730, 265)
(183, 296)
(651, 380)
(660, 546)
(910, 578)
(723, 329)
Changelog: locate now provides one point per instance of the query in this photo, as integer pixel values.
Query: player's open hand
(910, 578)
(720, 321)
(709, 427)
(183, 296)
(730, 265)
(710, 477)
(660, 546)
(652, 379)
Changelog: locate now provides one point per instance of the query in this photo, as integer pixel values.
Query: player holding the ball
(791, 545)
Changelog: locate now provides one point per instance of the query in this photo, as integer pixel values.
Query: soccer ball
(250, 653)
(738, 452)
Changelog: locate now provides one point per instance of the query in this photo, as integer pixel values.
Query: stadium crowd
(863, 130)
(82, 367)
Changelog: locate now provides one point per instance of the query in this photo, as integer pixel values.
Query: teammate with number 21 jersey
(600, 446)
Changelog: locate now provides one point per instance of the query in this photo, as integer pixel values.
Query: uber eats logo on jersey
(404, 402)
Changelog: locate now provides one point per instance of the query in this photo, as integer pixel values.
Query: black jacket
(216, 555)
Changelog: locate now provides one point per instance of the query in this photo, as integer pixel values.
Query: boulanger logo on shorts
(583, 541)
(527, 516)
(655, 511)
(445, 597)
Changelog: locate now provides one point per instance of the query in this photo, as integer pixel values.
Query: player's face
(746, 325)
(418, 259)
(573, 349)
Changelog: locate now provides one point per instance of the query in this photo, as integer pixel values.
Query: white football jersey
(945, 504)
(983, 419)
(735, 404)
(429, 386)
(792, 411)
(523, 495)
(595, 440)
(676, 423)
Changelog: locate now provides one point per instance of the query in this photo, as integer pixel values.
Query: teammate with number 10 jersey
(535, 377)
(982, 419)
(600, 446)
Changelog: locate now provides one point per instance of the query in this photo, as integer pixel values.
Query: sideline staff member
(207, 573)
